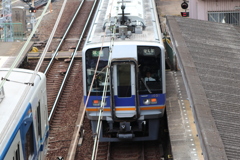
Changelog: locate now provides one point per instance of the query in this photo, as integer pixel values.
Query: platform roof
(209, 58)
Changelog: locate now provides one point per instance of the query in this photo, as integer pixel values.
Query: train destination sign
(95, 53)
(148, 52)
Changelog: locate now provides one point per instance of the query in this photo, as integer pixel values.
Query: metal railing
(18, 31)
(225, 17)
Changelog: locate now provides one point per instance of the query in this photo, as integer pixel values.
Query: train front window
(124, 80)
(91, 62)
(149, 62)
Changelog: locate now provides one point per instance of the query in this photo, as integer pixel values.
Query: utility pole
(32, 11)
(6, 21)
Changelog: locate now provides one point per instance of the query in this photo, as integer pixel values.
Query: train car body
(23, 116)
(125, 43)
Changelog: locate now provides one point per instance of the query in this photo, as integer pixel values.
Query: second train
(124, 71)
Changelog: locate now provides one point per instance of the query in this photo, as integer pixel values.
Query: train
(123, 61)
(24, 125)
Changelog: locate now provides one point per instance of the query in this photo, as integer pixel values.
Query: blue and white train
(23, 116)
(125, 37)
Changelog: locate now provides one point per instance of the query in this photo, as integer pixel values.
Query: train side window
(16, 156)
(17, 152)
(29, 148)
(39, 120)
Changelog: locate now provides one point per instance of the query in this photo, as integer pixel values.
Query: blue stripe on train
(91, 98)
(6, 148)
(125, 101)
(23, 127)
(161, 99)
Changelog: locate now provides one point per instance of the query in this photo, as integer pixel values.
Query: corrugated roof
(209, 57)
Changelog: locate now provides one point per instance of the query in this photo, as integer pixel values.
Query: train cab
(124, 71)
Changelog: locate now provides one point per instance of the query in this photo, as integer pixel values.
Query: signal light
(184, 5)
(32, 10)
(185, 14)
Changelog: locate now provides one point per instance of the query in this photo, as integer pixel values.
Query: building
(223, 11)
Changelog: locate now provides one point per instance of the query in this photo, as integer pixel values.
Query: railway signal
(185, 14)
(32, 10)
(184, 5)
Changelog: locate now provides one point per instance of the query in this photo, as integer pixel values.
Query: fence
(17, 32)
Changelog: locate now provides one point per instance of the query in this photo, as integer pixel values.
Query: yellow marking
(152, 108)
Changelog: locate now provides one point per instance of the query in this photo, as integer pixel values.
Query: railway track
(62, 123)
(64, 98)
(130, 150)
(63, 120)
(65, 109)
(149, 150)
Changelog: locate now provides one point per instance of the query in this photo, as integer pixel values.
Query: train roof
(14, 89)
(139, 16)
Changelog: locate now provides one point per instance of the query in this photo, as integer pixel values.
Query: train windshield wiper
(146, 86)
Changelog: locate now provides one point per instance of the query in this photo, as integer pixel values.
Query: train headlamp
(98, 103)
(150, 101)
(146, 101)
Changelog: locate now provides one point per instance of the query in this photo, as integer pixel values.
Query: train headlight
(146, 101)
(98, 103)
(150, 101)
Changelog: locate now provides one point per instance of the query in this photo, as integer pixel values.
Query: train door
(124, 98)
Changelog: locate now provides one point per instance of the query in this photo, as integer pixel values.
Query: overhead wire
(101, 109)
(103, 100)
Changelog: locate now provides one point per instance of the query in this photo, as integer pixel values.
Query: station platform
(182, 130)
(10, 51)
(208, 56)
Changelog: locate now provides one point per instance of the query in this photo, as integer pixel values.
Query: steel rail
(72, 150)
(70, 65)
(63, 38)
(61, 88)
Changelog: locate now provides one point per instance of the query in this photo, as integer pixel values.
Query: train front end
(124, 71)
(130, 90)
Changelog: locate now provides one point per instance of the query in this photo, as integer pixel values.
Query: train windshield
(150, 70)
(91, 62)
